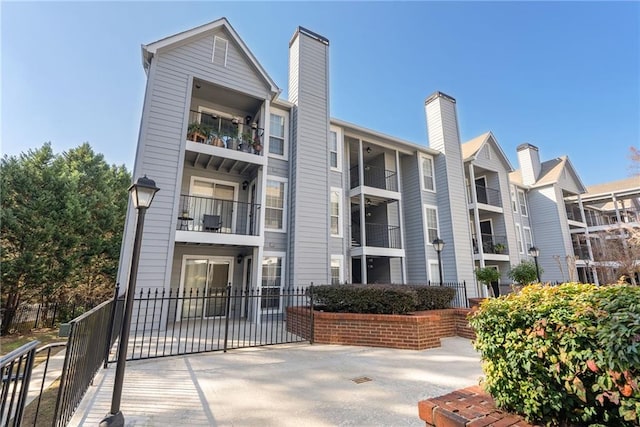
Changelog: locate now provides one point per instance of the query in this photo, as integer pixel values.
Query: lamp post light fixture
(534, 252)
(142, 193)
(438, 245)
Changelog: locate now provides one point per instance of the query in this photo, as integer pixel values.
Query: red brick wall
(416, 332)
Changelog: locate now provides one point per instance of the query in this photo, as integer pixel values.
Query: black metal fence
(15, 372)
(30, 316)
(89, 338)
(170, 322)
(460, 299)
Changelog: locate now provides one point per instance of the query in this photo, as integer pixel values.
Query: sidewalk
(286, 385)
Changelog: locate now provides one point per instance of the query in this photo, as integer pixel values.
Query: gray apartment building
(263, 192)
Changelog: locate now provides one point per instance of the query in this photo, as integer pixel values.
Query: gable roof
(550, 173)
(149, 50)
(471, 148)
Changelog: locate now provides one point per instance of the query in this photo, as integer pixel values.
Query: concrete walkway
(286, 385)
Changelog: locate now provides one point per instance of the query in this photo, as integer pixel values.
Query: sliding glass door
(204, 280)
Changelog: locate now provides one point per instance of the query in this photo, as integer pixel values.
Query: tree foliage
(525, 273)
(634, 156)
(62, 219)
(617, 252)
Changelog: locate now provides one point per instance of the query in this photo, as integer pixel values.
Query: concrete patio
(285, 385)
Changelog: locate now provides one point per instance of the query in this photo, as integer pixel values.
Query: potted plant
(196, 132)
(489, 276)
(499, 248)
(257, 145)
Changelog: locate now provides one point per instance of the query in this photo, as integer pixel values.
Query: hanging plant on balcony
(257, 144)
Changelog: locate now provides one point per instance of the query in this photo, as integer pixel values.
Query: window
(519, 239)
(514, 201)
(220, 47)
(275, 203)
(528, 241)
(522, 202)
(276, 135)
(336, 270)
(431, 222)
(336, 212)
(271, 281)
(333, 150)
(426, 165)
(434, 272)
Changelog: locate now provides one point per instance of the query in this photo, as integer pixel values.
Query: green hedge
(564, 354)
(381, 299)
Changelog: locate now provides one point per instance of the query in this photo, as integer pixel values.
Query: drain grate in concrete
(361, 380)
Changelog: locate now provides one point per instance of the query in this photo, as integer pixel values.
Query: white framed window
(335, 213)
(431, 223)
(528, 240)
(335, 149)
(514, 200)
(522, 202)
(427, 180)
(278, 128)
(434, 271)
(519, 239)
(220, 50)
(275, 216)
(337, 271)
(272, 281)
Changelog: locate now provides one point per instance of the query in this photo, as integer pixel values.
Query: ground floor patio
(285, 385)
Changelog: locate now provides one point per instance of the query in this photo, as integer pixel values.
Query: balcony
(573, 213)
(374, 177)
(222, 132)
(377, 235)
(491, 244)
(211, 215)
(485, 195)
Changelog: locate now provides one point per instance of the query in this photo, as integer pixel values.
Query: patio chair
(211, 223)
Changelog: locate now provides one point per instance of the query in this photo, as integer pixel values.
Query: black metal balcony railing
(580, 250)
(217, 216)
(485, 195)
(232, 134)
(573, 213)
(377, 235)
(491, 244)
(374, 177)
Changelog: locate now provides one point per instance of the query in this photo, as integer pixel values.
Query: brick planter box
(416, 331)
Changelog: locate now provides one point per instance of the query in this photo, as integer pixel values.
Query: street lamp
(438, 245)
(534, 252)
(142, 193)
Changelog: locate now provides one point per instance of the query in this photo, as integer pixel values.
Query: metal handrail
(485, 195)
(374, 177)
(212, 215)
(491, 244)
(232, 134)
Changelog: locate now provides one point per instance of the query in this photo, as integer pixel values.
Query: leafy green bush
(564, 354)
(525, 273)
(380, 299)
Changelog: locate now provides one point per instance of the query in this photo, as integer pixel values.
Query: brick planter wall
(417, 331)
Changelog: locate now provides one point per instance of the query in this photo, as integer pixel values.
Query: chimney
(529, 160)
(453, 212)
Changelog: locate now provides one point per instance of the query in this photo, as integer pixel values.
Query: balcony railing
(217, 216)
(573, 213)
(231, 134)
(375, 177)
(491, 244)
(485, 195)
(377, 235)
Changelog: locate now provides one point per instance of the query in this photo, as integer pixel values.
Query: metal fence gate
(170, 322)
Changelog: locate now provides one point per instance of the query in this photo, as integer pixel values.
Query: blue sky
(563, 76)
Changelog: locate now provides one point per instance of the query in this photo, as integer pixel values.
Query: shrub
(564, 354)
(525, 273)
(381, 299)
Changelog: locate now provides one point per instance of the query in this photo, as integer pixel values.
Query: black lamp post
(438, 245)
(142, 193)
(534, 252)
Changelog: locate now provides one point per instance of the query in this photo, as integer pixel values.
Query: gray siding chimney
(453, 212)
(529, 161)
(308, 255)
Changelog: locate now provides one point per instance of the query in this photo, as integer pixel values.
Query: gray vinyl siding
(275, 242)
(550, 231)
(453, 213)
(278, 167)
(414, 236)
(194, 57)
(309, 207)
